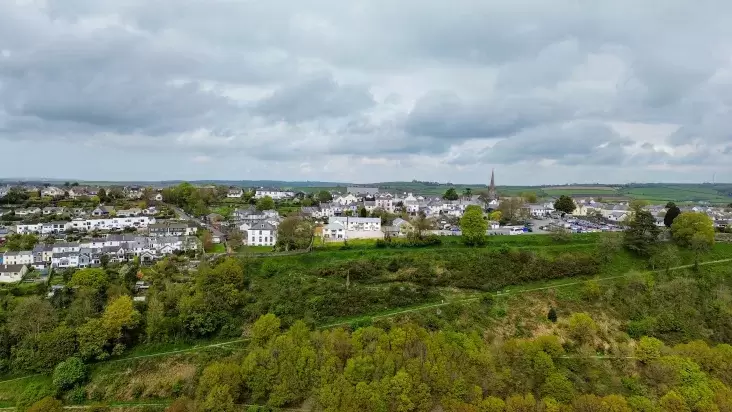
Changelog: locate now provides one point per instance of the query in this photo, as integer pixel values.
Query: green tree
(235, 238)
(265, 203)
(324, 196)
(648, 349)
(102, 195)
(95, 279)
(294, 233)
(69, 373)
(691, 224)
(673, 402)
(31, 317)
(641, 235)
(495, 216)
(362, 212)
(473, 226)
(467, 193)
(530, 197)
(582, 328)
(564, 204)
(558, 387)
(512, 209)
(699, 245)
(451, 194)
(665, 257)
(264, 329)
(47, 404)
(421, 224)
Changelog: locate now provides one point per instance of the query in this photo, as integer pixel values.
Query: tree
(473, 226)
(264, 329)
(324, 196)
(451, 194)
(648, 349)
(207, 240)
(235, 238)
(641, 235)
(467, 193)
(69, 373)
(673, 402)
(32, 316)
(294, 233)
(91, 278)
(692, 224)
(102, 195)
(421, 224)
(582, 328)
(47, 404)
(512, 209)
(265, 203)
(699, 244)
(530, 197)
(495, 216)
(565, 204)
(665, 257)
(362, 212)
(672, 212)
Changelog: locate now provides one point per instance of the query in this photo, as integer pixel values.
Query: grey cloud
(315, 97)
(258, 79)
(445, 115)
(573, 144)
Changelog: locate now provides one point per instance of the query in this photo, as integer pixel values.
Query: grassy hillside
(477, 301)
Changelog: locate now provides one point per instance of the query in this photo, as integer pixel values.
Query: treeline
(408, 368)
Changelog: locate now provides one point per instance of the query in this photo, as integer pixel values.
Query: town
(44, 228)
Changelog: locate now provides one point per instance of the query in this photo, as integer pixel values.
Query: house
(345, 200)
(385, 202)
(172, 229)
(79, 191)
(363, 191)
(334, 231)
(29, 229)
(52, 191)
(275, 194)
(158, 197)
(401, 226)
(539, 210)
(102, 210)
(12, 273)
(262, 234)
(24, 257)
(617, 216)
(54, 227)
(28, 212)
(134, 192)
(359, 223)
(135, 211)
(235, 193)
(47, 211)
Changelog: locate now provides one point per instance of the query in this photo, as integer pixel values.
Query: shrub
(47, 404)
(487, 300)
(69, 373)
(552, 315)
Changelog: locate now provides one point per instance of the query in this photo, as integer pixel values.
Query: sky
(544, 92)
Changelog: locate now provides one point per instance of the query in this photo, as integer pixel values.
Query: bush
(487, 300)
(69, 373)
(33, 393)
(47, 404)
(552, 315)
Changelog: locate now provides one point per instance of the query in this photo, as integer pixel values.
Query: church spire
(492, 187)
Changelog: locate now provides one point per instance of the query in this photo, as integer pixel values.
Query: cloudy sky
(543, 91)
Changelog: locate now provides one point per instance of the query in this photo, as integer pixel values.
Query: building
(235, 193)
(135, 211)
(359, 223)
(172, 229)
(52, 191)
(24, 257)
(273, 193)
(12, 273)
(363, 191)
(492, 193)
(262, 234)
(103, 211)
(334, 231)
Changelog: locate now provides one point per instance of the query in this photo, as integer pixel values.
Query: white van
(516, 231)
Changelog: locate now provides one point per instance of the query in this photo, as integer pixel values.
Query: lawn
(678, 193)
(217, 248)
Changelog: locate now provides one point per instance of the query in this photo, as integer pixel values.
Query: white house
(273, 193)
(29, 229)
(385, 202)
(12, 273)
(54, 227)
(334, 231)
(345, 200)
(52, 191)
(235, 193)
(261, 234)
(540, 210)
(359, 223)
(24, 257)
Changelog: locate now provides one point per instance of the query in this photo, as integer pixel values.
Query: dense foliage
(473, 226)
(565, 204)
